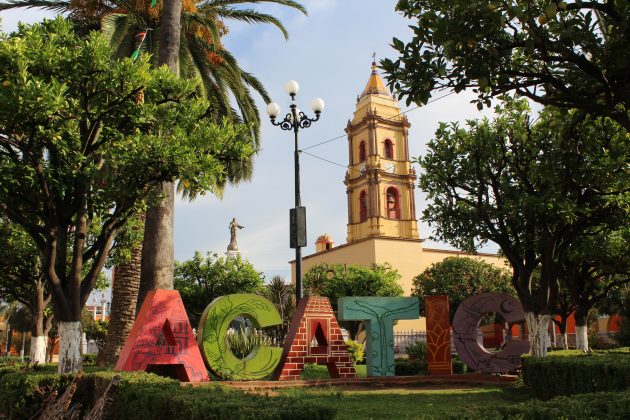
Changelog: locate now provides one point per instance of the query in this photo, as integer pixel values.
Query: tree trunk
(157, 248)
(125, 286)
(157, 253)
(38, 335)
(38, 349)
(70, 360)
(23, 345)
(581, 337)
(581, 330)
(565, 341)
(9, 338)
(537, 328)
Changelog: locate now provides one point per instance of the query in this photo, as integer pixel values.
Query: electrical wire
(343, 135)
(394, 116)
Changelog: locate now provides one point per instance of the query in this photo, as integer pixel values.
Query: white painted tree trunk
(565, 341)
(70, 360)
(23, 345)
(38, 349)
(581, 337)
(537, 328)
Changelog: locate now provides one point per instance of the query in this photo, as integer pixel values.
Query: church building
(380, 182)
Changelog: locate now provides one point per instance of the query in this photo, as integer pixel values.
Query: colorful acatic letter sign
(438, 335)
(212, 333)
(162, 341)
(379, 314)
(465, 325)
(314, 337)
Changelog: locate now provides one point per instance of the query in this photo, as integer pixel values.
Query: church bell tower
(380, 179)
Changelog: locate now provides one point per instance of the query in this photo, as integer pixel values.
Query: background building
(380, 182)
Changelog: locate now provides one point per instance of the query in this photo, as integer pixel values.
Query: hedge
(570, 374)
(150, 396)
(602, 405)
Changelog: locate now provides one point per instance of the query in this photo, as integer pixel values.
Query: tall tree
(459, 278)
(158, 248)
(594, 266)
(22, 280)
(531, 188)
(566, 54)
(336, 280)
(125, 286)
(201, 279)
(79, 155)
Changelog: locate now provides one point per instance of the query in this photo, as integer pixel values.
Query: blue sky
(329, 53)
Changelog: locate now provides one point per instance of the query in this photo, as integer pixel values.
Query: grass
(313, 371)
(416, 403)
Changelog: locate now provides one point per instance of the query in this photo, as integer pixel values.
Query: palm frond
(288, 3)
(60, 6)
(251, 16)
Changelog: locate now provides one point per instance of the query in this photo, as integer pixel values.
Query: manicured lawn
(409, 403)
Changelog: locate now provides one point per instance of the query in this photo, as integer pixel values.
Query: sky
(329, 53)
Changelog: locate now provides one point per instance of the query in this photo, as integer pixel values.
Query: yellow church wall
(360, 252)
(405, 255)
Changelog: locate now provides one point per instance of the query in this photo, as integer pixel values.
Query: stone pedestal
(232, 254)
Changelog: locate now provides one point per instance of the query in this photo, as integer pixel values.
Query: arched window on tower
(393, 203)
(362, 151)
(363, 207)
(388, 149)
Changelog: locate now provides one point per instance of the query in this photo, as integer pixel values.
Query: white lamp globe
(291, 87)
(317, 105)
(273, 109)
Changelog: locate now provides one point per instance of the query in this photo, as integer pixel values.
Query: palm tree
(282, 295)
(200, 55)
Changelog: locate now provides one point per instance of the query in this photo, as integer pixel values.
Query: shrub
(356, 351)
(89, 359)
(409, 367)
(417, 350)
(602, 405)
(9, 360)
(458, 365)
(565, 373)
(154, 396)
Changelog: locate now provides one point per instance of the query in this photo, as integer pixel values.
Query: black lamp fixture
(296, 120)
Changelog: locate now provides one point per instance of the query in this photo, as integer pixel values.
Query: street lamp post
(294, 120)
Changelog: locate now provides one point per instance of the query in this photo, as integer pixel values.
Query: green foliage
(356, 351)
(410, 367)
(337, 280)
(282, 295)
(244, 340)
(459, 278)
(95, 151)
(458, 366)
(565, 373)
(94, 329)
(153, 396)
(569, 54)
(200, 280)
(20, 263)
(89, 359)
(528, 187)
(417, 350)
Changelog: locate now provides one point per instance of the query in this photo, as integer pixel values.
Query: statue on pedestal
(233, 246)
